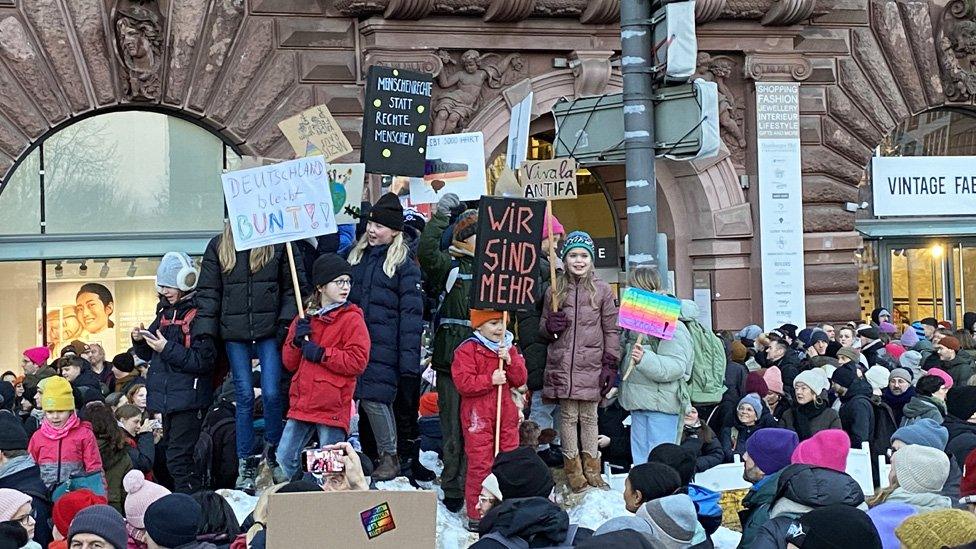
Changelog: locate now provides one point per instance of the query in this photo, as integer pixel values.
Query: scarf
(16, 465)
(52, 433)
(509, 338)
(805, 413)
(322, 311)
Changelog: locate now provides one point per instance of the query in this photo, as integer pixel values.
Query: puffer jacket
(453, 324)
(74, 452)
(393, 310)
(245, 306)
(755, 508)
(321, 393)
(575, 357)
(537, 521)
(658, 383)
(179, 377)
(21, 473)
(534, 348)
(857, 413)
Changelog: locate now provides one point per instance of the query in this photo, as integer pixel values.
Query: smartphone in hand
(324, 462)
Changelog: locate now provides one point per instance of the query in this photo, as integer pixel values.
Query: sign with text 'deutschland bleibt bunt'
(396, 121)
(279, 203)
(506, 267)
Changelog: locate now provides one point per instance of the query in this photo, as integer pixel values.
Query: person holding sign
(386, 285)
(583, 356)
(477, 376)
(656, 391)
(247, 298)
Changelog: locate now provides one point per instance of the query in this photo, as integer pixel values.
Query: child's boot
(574, 473)
(591, 470)
(247, 472)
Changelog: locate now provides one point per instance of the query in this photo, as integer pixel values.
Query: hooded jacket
(921, 406)
(960, 368)
(537, 521)
(857, 413)
(962, 438)
(74, 452)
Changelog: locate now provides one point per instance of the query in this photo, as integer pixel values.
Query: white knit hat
(815, 379)
(877, 376)
(920, 469)
(491, 484)
(10, 501)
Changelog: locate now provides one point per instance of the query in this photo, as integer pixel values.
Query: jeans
(384, 427)
(295, 438)
(546, 416)
(181, 431)
(240, 354)
(650, 429)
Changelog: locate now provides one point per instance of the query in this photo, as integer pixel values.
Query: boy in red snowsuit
(475, 373)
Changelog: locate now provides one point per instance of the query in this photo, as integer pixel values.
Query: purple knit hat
(771, 448)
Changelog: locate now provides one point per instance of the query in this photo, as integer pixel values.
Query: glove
(312, 352)
(608, 377)
(557, 323)
(303, 329)
(447, 203)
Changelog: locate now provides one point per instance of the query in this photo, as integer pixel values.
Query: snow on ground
(241, 503)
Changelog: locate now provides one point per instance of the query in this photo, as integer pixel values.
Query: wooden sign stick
(294, 280)
(630, 367)
(552, 257)
(498, 403)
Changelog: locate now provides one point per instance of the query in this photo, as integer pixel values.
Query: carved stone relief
(956, 36)
(138, 27)
(463, 87)
(723, 70)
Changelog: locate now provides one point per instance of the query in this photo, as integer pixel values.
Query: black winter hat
(680, 459)
(172, 520)
(8, 396)
(327, 268)
(833, 526)
(930, 321)
(124, 362)
(844, 376)
(12, 433)
(869, 332)
(789, 330)
(961, 402)
(968, 320)
(387, 212)
(521, 473)
(107, 523)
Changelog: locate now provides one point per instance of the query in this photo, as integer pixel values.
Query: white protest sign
(279, 203)
(929, 185)
(455, 164)
(548, 179)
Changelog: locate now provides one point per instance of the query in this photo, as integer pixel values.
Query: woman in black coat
(247, 299)
(386, 286)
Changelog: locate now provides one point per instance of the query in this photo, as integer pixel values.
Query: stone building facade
(238, 67)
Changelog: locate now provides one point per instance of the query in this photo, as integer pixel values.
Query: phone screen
(324, 462)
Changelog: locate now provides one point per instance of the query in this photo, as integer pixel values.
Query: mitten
(557, 323)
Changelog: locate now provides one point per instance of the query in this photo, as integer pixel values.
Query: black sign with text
(506, 266)
(396, 121)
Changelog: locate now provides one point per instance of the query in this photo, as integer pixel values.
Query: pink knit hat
(10, 501)
(894, 350)
(774, 380)
(141, 494)
(38, 355)
(557, 227)
(946, 378)
(828, 448)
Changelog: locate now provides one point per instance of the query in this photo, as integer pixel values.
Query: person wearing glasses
(17, 506)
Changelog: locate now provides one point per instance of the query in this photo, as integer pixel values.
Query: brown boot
(591, 470)
(574, 473)
(388, 468)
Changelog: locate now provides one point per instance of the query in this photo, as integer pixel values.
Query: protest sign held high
(549, 179)
(507, 256)
(315, 127)
(396, 121)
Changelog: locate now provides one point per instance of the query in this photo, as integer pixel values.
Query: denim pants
(240, 353)
(648, 430)
(383, 425)
(295, 438)
(546, 416)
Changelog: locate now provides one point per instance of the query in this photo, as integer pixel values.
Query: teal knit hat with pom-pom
(578, 239)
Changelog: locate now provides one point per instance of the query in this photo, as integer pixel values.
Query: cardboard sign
(346, 185)
(396, 121)
(315, 130)
(506, 264)
(380, 519)
(279, 203)
(548, 179)
(455, 164)
(649, 313)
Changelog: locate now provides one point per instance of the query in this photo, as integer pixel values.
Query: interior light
(83, 268)
(936, 250)
(581, 171)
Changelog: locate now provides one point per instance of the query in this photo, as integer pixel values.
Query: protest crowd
(229, 384)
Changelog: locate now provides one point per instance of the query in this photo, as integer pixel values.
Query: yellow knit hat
(57, 395)
(949, 527)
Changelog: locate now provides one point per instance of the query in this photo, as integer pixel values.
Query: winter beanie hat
(894, 350)
(920, 469)
(177, 270)
(833, 526)
(466, 226)
(886, 517)
(946, 378)
(919, 329)
(673, 520)
(774, 379)
(328, 267)
(557, 227)
(578, 239)
(877, 376)
(887, 328)
(140, 494)
(171, 521)
(961, 402)
(950, 342)
(910, 360)
(945, 527)
(804, 337)
(428, 405)
(521, 473)
(827, 448)
(815, 379)
(387, 212)
(69, 505)
(480, 316)
(901, 373)
(491, 484)
(124, 362)
(771, 448)
(967, 487)
(749, 334)
(680, 459)
(58, 396)
(739, 352)
(869, 332)
(852, 354)
(107, 523)
(38, 355)
(752, 400)
(844, 376)
(909, 338)
(10, 501)
(413, 218)
(924, 432)
(13, 436)
(756, 384)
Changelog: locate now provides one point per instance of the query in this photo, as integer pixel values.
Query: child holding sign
(582, 361)
(476, 376)
(656, 391)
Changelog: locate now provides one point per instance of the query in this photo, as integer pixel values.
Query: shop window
(20, 311)
(20, 200)
(939, 132)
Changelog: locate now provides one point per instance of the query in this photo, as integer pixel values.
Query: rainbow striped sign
(377, 520)
(649, 313)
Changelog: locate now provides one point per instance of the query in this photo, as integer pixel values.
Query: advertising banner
(924, 185)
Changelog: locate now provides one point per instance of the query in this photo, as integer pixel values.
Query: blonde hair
(883, 494)
(396, 254)
(227, 254)
(645, 277)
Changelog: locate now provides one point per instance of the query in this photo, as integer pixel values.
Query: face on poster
(455, 164)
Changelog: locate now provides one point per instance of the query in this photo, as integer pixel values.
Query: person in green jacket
(768, 452)
(449, 273)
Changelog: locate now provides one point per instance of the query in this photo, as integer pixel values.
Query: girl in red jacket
(327, 350)
(475, 373)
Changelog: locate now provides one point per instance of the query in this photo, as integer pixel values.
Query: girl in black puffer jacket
(247, 299)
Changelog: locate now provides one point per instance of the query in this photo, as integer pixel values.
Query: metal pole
(636, 44)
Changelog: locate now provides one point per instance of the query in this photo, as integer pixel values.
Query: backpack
(707, 383)
(183, 323)
(516, 542)
(203, 451)
(884, 427)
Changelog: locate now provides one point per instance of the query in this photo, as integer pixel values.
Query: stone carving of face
(470, 61)
(964, 38)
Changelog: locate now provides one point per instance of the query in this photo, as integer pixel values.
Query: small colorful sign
(315, 131)
(346, 182)
(455, 164)
(548, 179)
(649, 313)
(377, 520)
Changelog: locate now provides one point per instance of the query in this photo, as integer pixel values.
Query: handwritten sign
(548, 179)
(396, 121)
(346, 182)
(315, 130)
(279, 203)
(649, 313)
(507, 256)
(455, 164)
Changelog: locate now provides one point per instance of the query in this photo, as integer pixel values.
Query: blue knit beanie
(171, 521)
(924, 432)
(578, 239)
(102, 521)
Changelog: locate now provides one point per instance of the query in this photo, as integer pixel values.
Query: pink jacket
(74, 446)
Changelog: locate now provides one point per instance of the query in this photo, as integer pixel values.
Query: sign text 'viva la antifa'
(396, 121)
(506, 267)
